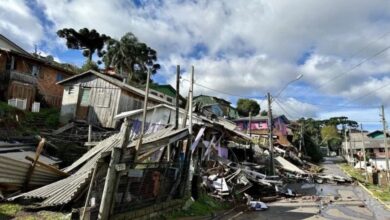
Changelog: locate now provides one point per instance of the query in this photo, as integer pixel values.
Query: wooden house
(96, 98)
(29, 77)
(217, 106)
(259, 126)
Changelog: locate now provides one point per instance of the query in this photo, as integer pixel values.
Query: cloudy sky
(239, 48)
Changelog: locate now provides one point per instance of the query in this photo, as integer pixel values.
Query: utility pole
(364, 151)
(350, 148)
(177, 96)
(385, 143)
(250, 135)
(270, 138)
(191, 93)
(301, 140)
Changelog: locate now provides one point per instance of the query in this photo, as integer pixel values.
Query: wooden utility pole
(350, 148)
(364, 151)
(385, 143)
(177, 96)
(270, 136)
(191, 93)
(301, 140)
(144, 113)
(30, 171)
(250, 135)
(111, 180)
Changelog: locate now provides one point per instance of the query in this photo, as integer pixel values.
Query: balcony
(22, 77)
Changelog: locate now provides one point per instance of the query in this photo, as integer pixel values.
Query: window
(11, 63)
(153, 93)
(85, 96)
(59, 77)
(35, 70)
(169, 99)
(103, 99)
(382, 150)
(71, 90)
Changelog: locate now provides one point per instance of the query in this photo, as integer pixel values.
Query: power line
(356, 66)
(222, 92)
(369, 93)
(284, 110)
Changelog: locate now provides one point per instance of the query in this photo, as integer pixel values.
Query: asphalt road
(323, 201)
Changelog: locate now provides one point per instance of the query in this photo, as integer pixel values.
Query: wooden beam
(49, 167)
(32, 167)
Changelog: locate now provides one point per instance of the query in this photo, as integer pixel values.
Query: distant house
(218, 106)
(96, 98)
(377, 134)
(29, 77)
(373, 143)
(259, 126)
(166, 92)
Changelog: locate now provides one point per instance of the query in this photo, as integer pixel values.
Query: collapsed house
(131, 169)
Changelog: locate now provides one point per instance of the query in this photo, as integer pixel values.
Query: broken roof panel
(286, 165)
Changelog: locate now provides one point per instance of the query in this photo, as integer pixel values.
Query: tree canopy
(245, 106)
(130, 57)
(90, 41)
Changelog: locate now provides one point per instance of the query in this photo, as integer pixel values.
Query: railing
(23, 77)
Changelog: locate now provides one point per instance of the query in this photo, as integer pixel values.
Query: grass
(9, 209)
(15, 211)
(20, 122)
(381, 192)
(204, 206)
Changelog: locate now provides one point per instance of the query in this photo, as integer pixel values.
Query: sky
(239, 49)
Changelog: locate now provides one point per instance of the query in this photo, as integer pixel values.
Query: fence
(147, 186)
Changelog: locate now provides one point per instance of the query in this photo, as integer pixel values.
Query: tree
(90, 41)
(130, 57)
(89, 65)
(244, 106)
(264, 113)
(331, 137)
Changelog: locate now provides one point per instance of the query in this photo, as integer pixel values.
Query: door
(83, 104)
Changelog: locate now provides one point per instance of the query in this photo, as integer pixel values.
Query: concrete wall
(152, 212)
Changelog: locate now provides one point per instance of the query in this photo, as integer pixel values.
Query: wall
(152, 212)
(50, 92)
(69, 104)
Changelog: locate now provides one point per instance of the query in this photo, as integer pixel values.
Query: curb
(367, 190)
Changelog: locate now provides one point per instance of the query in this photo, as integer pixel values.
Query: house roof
(116, 82)
(208, 100)
(17, 47)
(263, 118)
(17, 50)
(376, 133)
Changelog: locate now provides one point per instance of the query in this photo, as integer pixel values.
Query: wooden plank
(31, 168)
(51, 168)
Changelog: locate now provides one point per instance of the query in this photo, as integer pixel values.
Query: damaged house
(27, 78)
(96, 98)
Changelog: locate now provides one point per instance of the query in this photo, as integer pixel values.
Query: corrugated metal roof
(13, 172)
(20, 156)
(63, 191)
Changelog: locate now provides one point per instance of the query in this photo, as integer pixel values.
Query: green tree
(89, 65)
(331, 137)
(264, 113)
(90, 41)
(311, 137)
(244, 106)
(130, 57)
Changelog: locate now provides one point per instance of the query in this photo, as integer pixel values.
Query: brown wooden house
(29, 77)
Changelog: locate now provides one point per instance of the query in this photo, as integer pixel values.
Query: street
(337, 201)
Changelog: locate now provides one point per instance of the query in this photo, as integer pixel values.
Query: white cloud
(18, 23)
(247, 48)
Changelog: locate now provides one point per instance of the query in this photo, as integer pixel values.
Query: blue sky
(239, 48)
